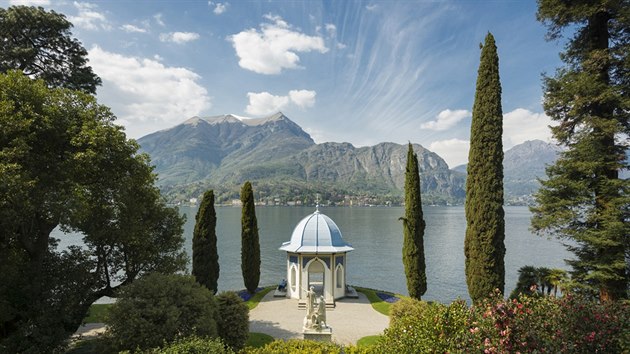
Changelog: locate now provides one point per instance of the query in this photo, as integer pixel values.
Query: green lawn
(254, 300)
(368, 341)
(377, 303)
(97, 313)
(257, 340)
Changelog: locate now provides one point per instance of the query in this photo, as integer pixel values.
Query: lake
(376, 235)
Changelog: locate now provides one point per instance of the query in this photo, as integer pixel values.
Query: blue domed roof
(316, 233)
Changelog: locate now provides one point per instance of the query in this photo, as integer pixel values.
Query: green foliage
(413, 230)
(63, 163)
(484, 246)
(368, 341)
(424, 328)
(193, 345)
(232, 319)
(160, 308)
(571, 324)
(537, 280)
(39, 44)
(297, 346)
(97, 313)
(258, 340)
(205, 258)
(583, 199)
(250, 246)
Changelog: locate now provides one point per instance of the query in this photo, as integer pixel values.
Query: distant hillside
(284, 163)
(523, 164)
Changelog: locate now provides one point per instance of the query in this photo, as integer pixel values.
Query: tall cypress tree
(250, 246)
(413, 230)
(205, 258)
(583, 199)
(485, 226)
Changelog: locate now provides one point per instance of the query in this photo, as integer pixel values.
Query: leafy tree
(205, 258)
(485, 227)
(527, 277)
(63, 163)
(583, 199)
(250, 246)
(232, 320)
(39, 44)
(159, 308)
(413, 230)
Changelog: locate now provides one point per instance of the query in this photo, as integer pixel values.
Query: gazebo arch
(316, 247)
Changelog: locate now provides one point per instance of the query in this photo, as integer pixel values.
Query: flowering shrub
(571, 324)
(387, 297)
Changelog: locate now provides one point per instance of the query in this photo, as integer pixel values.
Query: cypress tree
(485, 226)
(205, 258)
(583, 200)
(413, 230)
(250, 246)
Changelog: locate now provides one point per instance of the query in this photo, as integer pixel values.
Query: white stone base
(320, 335)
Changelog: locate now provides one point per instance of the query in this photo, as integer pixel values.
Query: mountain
(283, 162)
(523, 164)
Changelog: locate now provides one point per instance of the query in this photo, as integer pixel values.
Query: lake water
(376, 235)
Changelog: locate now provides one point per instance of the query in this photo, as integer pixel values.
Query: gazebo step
(329, 305)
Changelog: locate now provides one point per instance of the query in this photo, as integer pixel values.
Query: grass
(378, 304)
(254, 300)
(97, 313)
(368, 341)
(258, 340)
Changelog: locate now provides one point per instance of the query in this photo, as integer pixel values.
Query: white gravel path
(350, 320)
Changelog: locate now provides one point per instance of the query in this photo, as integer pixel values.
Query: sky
(361, 72)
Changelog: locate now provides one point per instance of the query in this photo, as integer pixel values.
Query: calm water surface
(376, 235)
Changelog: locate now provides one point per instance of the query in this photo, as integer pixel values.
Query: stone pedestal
(320, 335)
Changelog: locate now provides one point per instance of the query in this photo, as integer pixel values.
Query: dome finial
(317, 203)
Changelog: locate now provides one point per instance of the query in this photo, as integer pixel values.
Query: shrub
(232, 319)
(161, 308)
(298, 346)
(417, 327)
(194, 345)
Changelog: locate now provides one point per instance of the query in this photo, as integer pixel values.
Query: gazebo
(316, 256)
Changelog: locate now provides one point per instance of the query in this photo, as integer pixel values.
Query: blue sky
(347, 71)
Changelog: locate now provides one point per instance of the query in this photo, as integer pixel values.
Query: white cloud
(331, 30)
(264, 103)
(274, 47)
(521, 125)
(158, 19)
(371, 7)
(88, 17)
(446, 120)
(219, 7)
(132, 29)
(302, 98)
(453, 151)
(179, 37)
(145, 94)
(30, 2)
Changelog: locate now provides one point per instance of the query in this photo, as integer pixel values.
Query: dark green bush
(194, 345)
(232, 319)
(159, 309)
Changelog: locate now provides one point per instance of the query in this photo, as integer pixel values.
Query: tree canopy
(63, 163)
(413, 230)
(250, 245)
(583, 200)
(205, 258)
(39, 44)
(484, 246)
